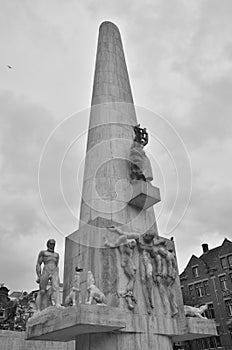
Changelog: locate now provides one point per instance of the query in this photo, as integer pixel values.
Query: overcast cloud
(179, 57)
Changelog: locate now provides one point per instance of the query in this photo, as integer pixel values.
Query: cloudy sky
(179, 57)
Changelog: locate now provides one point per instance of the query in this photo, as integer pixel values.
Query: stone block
(144, 195)
(65, 324)
(194, 328)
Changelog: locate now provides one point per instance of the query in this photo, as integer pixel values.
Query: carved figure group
(140, 166)
(157, 265)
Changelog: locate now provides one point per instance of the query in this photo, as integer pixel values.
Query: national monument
(121, 284)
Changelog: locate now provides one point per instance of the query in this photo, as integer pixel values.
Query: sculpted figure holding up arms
(50, 273)
(126, 243)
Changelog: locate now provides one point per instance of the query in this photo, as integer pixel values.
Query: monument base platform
(65, 324)
(194, 328)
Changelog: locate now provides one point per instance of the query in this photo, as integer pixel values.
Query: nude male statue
(126, 244)
(146, 244)
(50, 273)
(169, 275)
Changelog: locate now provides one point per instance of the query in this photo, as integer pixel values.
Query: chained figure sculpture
(126, 244)
(140, 166)
(169, 275)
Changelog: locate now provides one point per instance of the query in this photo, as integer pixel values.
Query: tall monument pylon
(128, 295)
(107, 184)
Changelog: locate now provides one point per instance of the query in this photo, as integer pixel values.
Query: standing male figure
(50, 273)
(170, 276)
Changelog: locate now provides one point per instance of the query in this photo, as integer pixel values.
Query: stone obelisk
(106, 186)
(121, 284)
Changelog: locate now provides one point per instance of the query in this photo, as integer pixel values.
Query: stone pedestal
(85, 321)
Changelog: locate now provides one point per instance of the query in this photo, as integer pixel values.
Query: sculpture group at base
(157, 265)
(93, 295)
(48, 279)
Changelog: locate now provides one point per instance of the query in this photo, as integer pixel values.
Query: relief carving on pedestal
(157, 265)
(126, 244)
(165, 273)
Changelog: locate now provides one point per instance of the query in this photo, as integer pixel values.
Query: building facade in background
(16, 308)
(208, 280)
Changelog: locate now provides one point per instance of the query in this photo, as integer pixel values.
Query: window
(222, 280)
(200, 344)
(230, 260)
(195, 271)
(191, 291)
(218, 341)
(2, 313)
(206, 287)
(210, 311)
(208, 343)
(205, 343)
(199, 289)
(224, 262)
(212, 343)
(228, 304)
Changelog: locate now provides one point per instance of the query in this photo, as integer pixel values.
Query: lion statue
(192, 311)
(93, 292)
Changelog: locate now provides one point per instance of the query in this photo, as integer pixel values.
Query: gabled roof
(15, 294)
(211, 255)
(193, 260)
(4, 290)
(209, 258)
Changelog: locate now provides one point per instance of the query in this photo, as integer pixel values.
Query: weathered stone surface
(67, 324)
(194, 328)
(11, 340)
(144, 195)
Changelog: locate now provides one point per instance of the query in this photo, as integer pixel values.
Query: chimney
(205, 247)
